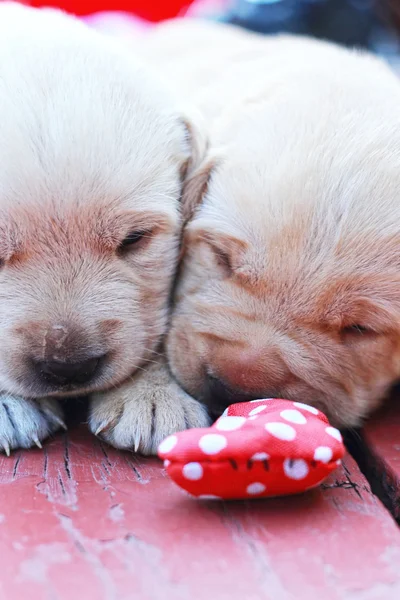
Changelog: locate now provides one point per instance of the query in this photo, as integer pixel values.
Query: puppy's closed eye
(362, 307)
(135, 240)
(356, 330)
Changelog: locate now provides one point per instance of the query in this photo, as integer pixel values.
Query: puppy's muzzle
(65, 357)
(61, 374)
(218, 395)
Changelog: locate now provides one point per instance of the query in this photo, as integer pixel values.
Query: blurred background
(370, 24)
(373, 24)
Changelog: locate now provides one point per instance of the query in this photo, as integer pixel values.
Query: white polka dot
(310, 409)
(229, 423)
(257, 410)
(261, 400)
(167, 463)
(335, 433)
(212, 443)
(295, 469)
(338, 462)
(294, 416)
(192, 471)
(208, 497)
(255, 488)
(281, 431)
(260, 456)
(323, 453)
(168, 444)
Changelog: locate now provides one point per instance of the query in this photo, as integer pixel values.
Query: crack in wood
(60, 481)
(45, 463)
(105, 467)
(17, 461)
(352, 484)
(67, 458)
(346, 485)
(104, 451)
(134, 469)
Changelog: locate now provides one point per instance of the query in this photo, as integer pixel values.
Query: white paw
(24, 423)
(139, 415)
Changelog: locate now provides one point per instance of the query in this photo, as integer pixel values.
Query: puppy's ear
(194, 189)
(197, 142)
(196, 171)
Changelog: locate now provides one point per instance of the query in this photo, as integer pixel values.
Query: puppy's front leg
(142, 412)
(24, 423)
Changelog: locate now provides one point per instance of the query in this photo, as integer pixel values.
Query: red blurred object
(152, 10)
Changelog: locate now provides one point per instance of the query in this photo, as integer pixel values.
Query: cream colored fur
(290, 279)
(92, 148)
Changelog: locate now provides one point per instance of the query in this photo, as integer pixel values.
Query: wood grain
(81, 520)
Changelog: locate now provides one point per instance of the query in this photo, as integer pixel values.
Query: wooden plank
(383, 433)
(378, 454)
(81, 520)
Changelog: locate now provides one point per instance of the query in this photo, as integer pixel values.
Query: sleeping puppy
(290, 281)
(92, 157)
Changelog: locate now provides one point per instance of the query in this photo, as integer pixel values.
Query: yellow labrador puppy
(93, 153)
(290, 280)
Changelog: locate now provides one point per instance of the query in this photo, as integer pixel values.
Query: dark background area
(372, 24)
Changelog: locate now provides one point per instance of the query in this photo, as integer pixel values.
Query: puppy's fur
(92, 158)
(289, 285)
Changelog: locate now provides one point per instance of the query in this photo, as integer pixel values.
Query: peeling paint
(59, 490)
(117, 513)
(92, 558)
(36, 567)
(59, 485)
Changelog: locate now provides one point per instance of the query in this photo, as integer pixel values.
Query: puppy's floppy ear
(194, 189)
(198, 144)
(196, 170)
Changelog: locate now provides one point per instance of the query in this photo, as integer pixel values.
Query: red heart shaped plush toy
(261, 448)
(156, 10)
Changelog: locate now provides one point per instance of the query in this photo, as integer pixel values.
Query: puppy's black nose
(217, 395)
(68, 373)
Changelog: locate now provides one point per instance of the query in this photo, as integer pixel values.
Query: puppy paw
(140, 414)
(25, 423)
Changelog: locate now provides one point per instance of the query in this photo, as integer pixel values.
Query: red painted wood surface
(383, 435)
(81, 520)
(382, 463)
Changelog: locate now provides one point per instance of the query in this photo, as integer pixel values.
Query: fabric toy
(268, 447)
(157, 10)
